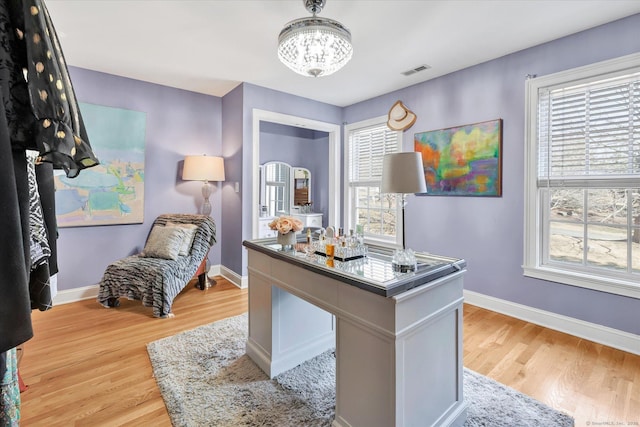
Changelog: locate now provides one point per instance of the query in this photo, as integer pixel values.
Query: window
(377, 215)
(276, 189)
(582, 196)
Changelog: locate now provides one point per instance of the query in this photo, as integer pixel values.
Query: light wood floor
(88, 365)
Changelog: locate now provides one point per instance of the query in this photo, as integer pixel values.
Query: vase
(287, 239)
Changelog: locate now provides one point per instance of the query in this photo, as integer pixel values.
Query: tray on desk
(350, 258)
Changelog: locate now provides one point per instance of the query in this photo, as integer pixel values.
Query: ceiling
(210, 46)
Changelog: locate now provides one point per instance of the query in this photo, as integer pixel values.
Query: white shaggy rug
(206, 379)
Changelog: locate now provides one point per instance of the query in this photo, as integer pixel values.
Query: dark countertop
(373, 273)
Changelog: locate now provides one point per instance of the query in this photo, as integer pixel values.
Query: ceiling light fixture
(314, 46)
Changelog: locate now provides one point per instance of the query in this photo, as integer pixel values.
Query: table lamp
(204, 168)
(403, 173)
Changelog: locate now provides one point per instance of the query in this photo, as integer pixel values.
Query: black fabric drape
(59, 130)
(15, 307)
(38, 112)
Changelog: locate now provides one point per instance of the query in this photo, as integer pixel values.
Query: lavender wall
(488, 232)
(178, 123)
(240, 141)
(232, 225)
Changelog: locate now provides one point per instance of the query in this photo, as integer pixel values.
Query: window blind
(367, 147)
(590, 131)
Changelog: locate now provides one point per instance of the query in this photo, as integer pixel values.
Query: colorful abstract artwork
(463, 160)
(112, 192)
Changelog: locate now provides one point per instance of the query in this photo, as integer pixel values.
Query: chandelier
(314, 46)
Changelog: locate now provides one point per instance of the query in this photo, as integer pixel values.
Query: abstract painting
(113, 191)
(463, 160)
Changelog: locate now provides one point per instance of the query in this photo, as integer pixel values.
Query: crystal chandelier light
(314, 46)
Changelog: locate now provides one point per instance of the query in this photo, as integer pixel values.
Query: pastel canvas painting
(113, 191)
(463, 160)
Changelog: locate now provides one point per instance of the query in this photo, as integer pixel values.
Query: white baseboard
(214, 270)
(590, 331)
(233, 277)
(76, 294)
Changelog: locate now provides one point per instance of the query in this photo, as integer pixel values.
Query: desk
(398, 337)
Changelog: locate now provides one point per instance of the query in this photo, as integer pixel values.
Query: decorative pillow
(164, 242)
(189, 231)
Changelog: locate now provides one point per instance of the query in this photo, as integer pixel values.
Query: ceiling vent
(416, 70)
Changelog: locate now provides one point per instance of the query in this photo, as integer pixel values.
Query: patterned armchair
(176, 246)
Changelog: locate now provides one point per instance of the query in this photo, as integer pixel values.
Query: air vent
(416, 70)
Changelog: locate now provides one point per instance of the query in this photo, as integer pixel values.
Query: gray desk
(398, 338)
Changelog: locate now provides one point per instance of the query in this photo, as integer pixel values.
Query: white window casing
(366, 143)
(582, 135)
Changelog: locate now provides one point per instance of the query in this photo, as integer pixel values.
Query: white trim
(535, 225)
(214, 270)
(241, 282)
(583, 280)
(76, 294)
(348, 214)
(604, 335)
(333, 161)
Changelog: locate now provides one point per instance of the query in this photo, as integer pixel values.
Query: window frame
(536, 223)
(349, 195)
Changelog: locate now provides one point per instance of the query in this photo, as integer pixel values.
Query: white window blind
(589, 130)
(366, 149)
(366, 208)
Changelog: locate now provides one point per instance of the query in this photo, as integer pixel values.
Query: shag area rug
(206, 379)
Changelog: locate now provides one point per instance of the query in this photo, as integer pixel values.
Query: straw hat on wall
(400, 117)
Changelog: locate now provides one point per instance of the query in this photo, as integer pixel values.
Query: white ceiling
(210, 46)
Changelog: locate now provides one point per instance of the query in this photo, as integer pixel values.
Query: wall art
(462, 160)
(112, 192)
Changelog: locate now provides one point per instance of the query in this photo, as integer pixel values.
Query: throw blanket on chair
(154, 280)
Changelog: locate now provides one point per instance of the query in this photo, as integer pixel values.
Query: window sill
(583, 280)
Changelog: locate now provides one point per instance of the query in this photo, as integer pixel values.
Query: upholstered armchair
(175, 247)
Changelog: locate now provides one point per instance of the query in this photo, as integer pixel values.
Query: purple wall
(232, 150)
(488, 232)
(178, 123)
(247, 97)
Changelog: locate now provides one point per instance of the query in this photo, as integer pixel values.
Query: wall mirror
(284, 189)
(325, 166)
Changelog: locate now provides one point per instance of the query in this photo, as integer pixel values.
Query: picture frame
(462, 160)
(113, 191)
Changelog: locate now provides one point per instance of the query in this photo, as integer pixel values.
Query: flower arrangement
(285, 224)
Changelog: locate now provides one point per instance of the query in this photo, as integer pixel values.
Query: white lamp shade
(403, 173)
(203, 168)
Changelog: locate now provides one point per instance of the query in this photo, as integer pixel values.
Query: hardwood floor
(88, 365)
(595, 384)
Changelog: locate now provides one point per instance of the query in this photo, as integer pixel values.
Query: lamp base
(404, 261)
(206, 192)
